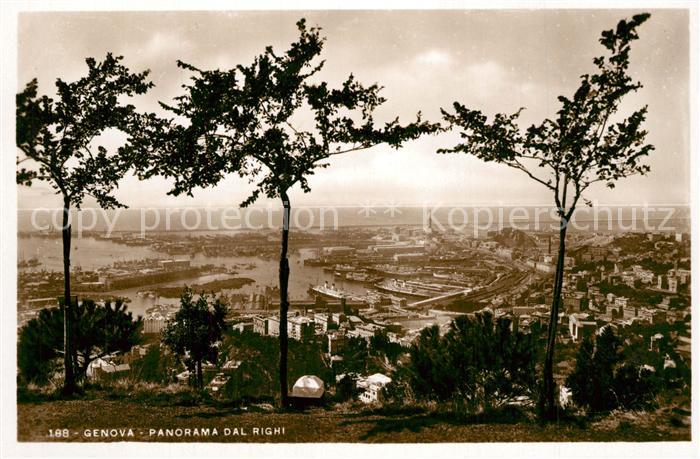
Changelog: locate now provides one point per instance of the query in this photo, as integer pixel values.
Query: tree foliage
(40, 343)
(155, 366)
(97, 329)
(380, 345)
(194, 331)
(582, 145)
(356, 356)
(346, 389)
(59, 134)
(103, 329)
(604, 379)
(635, 387)
(270, 121)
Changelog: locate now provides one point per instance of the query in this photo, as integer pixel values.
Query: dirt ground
(109, 420)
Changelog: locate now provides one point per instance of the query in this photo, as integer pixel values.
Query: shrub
(98, 330)
(479, 364)
(346, 389)
(635, 387)
(602, 380)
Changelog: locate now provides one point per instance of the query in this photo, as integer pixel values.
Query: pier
(437, 299)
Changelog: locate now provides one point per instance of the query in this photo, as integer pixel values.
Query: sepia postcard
(242, 230)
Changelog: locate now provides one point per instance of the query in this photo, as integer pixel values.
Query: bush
(635, 388)
(98, 330)
(479, 364)
(346, 389)
(153, 366)
(602, 380)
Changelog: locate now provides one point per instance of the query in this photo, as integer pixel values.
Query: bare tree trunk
(69, 381)
(284, 300)
(549, 409)
(200, 377)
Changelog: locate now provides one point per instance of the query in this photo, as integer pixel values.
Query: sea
(90, 253)
(658, 217)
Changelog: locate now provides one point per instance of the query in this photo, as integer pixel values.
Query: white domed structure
(308, 387)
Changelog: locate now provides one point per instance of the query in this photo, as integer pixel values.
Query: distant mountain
(514, 239)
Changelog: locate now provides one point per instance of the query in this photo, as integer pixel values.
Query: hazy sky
(496, 61)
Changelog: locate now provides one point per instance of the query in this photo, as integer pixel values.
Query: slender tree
(273, 122)
(586, 143)
(194, 331)
(60, 137)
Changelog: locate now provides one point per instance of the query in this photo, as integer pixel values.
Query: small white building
(154, 323)
(104, 368)
(373, 387)
(581, 325)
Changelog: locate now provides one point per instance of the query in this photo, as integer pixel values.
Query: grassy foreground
(89, 420)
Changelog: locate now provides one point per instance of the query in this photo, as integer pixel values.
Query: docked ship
(402, 287)
(358, 276)
(340, 268)
(329, 291)
(415, 288)
(396, 271)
